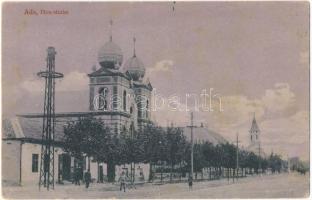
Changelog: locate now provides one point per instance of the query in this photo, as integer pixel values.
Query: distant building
(203, 134)
(255, 142)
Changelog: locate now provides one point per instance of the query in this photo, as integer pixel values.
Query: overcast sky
(254, 54)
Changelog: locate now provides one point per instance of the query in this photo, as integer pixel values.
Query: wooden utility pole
(259, 158)
(192, 146)
(237, 151)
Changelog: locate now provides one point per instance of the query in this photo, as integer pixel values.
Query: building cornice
(76, 114)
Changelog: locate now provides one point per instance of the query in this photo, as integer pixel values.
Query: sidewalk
(280, 185)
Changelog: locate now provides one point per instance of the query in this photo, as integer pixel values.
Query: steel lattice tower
(46, 177)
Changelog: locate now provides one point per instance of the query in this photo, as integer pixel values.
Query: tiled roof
(202, 134)
(29, 126)
(32, 128)
(7, 129)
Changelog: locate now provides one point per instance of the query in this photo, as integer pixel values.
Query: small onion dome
(135, 67)
(110, 55)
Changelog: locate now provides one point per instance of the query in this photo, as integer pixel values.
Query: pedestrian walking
(190, 182)
(76, 176)
(87, 178)
(122, 180)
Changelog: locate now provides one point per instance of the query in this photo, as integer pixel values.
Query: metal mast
(46, 177)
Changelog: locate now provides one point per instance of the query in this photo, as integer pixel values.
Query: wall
(10, 162)
(33, 177)
(145, 169)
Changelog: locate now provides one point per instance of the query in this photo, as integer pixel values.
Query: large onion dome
(110, 55)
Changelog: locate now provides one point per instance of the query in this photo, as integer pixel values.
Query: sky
(255, 56)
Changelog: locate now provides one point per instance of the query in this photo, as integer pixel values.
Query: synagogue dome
(135, 67)
(110, 55)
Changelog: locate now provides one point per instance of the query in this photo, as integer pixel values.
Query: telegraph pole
(237, 151)
(259, 167)
(288, 164)
(192, 145)
(192, 150)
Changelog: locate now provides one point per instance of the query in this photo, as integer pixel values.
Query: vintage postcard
(165, 100)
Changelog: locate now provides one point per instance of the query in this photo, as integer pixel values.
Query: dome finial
(134, 40)
(111, 30)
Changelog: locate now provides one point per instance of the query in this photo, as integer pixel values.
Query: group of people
(77, 177)
(122, 179)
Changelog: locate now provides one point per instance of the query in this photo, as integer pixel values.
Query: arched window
(139, 110)
(103, 98)
(147, 108)
(131, 129)
(131, 110)
(124, 100)
(256, 137)
(251, 137)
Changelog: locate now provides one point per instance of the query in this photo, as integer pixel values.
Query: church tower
(255, 143)
(119, 94)
(254, 132)
(142, 88)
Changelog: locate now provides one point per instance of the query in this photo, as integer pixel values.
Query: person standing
(122, 180)
(87, 178)
(76, 176)
(190, 182)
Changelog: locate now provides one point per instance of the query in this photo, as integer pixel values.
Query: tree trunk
(171, 170)
(180, 172)
(150, 178)
(202, 174)
(161, 173)
(111, 172)
(133, 172)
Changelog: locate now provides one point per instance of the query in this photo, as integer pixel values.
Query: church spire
(254, 125)
(111, 31)
(134, 40)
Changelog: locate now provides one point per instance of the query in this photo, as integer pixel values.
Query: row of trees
(165, 149)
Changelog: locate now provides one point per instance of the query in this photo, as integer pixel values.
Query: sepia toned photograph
(155, 100)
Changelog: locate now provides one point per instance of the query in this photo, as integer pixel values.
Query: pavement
(284, 185)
